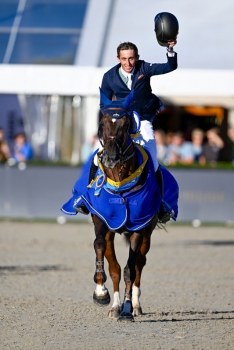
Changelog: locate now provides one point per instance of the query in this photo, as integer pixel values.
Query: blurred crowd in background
(203, 148)
(21, 151)
(172, 147)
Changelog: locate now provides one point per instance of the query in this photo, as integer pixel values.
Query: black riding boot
(164, 215)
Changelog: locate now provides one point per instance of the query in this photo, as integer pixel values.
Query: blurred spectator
(180, 151)
(212, 147)
(160, 138)
(168, 137)
(95, 143)
(231, 137)
(22, 150)
(197, 137)
(4, 149)
(89, 148)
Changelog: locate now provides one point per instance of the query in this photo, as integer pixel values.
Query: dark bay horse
(119, 161)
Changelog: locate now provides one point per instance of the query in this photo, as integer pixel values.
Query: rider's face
(127, 59)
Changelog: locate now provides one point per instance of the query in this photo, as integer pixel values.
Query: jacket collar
(134, 78)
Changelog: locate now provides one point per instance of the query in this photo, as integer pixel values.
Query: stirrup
(165, 216)
(82, 209)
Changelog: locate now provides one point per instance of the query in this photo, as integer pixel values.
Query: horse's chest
(132, 209)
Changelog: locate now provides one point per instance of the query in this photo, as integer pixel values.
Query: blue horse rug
(133, 209)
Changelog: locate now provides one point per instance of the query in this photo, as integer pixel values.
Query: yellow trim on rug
(131, 177)
(133, 136)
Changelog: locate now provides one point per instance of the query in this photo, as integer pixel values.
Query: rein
(122, 157)
(123, 160)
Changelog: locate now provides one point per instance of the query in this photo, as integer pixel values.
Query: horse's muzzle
(112, 153)
(110, 161)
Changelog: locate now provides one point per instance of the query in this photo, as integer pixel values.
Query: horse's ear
(105, 100)
(135, 123)
(128, 100)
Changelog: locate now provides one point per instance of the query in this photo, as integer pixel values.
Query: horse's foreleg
(130, 270)
(115, 273)
(140, 263)
(101, 295)
(130, 275)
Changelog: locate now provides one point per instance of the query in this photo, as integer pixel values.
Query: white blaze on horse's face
(113, 120)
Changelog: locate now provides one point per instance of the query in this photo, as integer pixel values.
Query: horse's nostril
(113, 159)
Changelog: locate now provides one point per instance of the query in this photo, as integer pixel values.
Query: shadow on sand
(30, 269)
(183, 316)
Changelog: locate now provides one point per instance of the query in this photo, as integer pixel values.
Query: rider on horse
(132, 73)
(131, 201)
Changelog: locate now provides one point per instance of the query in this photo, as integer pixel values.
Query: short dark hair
(127, 46)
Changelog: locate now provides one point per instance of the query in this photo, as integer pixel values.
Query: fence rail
(39, 191)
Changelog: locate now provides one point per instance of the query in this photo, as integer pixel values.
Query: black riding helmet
(166, 27)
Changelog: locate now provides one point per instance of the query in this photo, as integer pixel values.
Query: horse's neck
(125, 168)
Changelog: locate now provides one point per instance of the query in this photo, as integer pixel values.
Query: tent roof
(183, 86)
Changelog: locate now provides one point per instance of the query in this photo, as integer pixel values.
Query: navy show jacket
(145, 102)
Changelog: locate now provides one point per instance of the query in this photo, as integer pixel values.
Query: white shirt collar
(125, 73)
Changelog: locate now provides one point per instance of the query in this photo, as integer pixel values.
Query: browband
(116, 112)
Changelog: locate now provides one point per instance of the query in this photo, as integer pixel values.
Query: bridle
(122, 154)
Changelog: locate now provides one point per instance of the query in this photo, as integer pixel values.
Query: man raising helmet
(133, 73)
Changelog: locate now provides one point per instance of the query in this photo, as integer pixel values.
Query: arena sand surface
(46, 287)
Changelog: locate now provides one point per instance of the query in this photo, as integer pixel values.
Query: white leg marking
(100, 290)
(116, 302)
(136, 293)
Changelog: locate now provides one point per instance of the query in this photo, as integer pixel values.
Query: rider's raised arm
(162, 68)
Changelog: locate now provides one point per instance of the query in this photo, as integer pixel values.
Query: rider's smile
(127, 59)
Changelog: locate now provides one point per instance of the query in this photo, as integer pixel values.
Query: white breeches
(147, 140)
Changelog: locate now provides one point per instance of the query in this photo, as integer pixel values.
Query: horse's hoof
(126, 317)
(101, 300)
(114, 312)
(137, 311)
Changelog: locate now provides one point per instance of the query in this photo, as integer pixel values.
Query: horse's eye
(102, 124)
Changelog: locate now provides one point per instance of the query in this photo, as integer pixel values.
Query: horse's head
(114, 136)
(114, 129)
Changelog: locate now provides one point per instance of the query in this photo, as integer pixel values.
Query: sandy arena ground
(46, 287)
